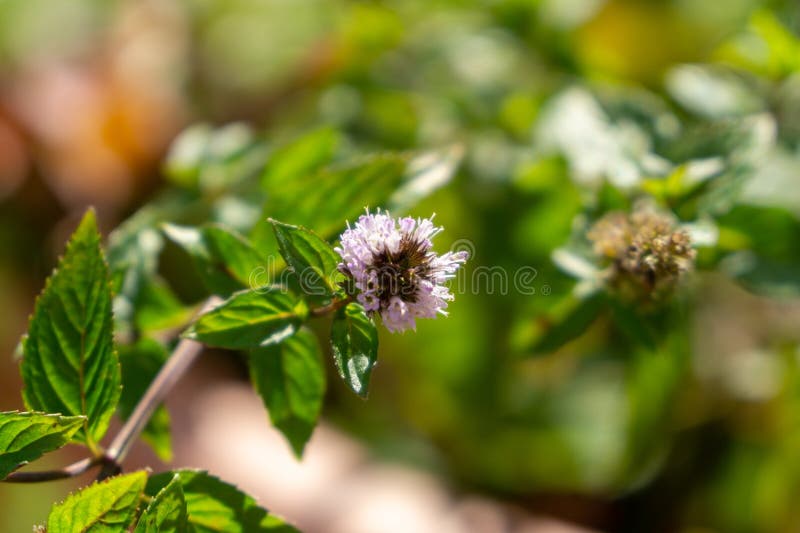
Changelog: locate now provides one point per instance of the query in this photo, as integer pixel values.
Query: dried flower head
(394, 269)
(646, 250)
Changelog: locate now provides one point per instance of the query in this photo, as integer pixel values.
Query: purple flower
(394, 269)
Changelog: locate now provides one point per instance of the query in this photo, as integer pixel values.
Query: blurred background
(522, 411)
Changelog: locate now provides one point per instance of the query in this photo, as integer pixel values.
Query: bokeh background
(481, 421)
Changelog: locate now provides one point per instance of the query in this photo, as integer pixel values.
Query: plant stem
(176, 366)
(75, 469)
(331, 307)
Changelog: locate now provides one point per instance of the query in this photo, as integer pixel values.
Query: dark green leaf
(215, 506)
(140, 363)
(224, 259)
(313, 260)
(571, 325)
(639, 330)
(290, 378)
(250, 319)
(69, 364)
(108, 506)
(241, 260)
(355, 346)
(167, 511)
(25, 437)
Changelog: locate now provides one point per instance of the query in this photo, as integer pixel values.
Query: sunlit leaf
(167, 512)
(250, 319)
(25, 437)
(216, 507)
(107, 506)
(69, 364)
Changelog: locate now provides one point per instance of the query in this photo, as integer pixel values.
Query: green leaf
(355, 346)
(330, 196)
(300, 158)
(108, 506)
(214, 159)
(216, 506)
(140, 363)
(326, 199)
(313, 260)
(577, 319)
(250, 319)
(290, 378)
(224, 259)
(25, 437)
(69, 365)
(157, 307)
(241, 260)
(167, 511)
(632, 324)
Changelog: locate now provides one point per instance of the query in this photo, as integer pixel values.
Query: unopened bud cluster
(646, 251)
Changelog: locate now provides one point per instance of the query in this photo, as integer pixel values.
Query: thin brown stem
(176, 366)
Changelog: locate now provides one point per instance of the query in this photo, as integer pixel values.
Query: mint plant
(96, 344)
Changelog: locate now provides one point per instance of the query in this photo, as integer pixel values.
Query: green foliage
(69, 363)
(140, 363)
(166, 512)
(25, 437)
(577, 316)
(290, 377)
(215, 506)
(354, 340)
(300, 158)
(313, 260)
(225, 261)
(327, 198)
(250, 319)
(106, 506)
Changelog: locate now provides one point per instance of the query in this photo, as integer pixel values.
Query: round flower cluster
(394, 269)
(647, 251)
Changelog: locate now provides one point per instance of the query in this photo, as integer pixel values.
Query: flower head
(394, 269)
(647, 250)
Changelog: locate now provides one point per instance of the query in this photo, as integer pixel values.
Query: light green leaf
(224, 259)
(355, 347)
(69, 365)
(313, 260)
(326, 199)
(25, 437)
(167, 511)
(140, 363)
(214, 159)
(290, 378)
(157, 307)
(250, 319)
(215, 506)
(105, 507)
(300, 158)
